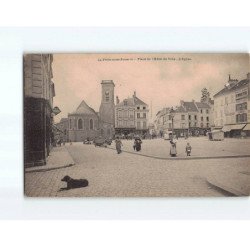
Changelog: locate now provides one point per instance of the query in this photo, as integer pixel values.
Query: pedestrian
(173, 151)
(188, 149)
(118, 145)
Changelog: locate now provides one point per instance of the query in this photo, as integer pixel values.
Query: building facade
(39, 91)
(231, 107)
(131, 116)
(62, 130)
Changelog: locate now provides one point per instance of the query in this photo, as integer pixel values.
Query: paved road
(130, 175)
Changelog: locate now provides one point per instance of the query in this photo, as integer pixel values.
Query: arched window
(91, 124)
(80, 124)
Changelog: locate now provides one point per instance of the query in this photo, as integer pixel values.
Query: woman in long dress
(118, 145)
(173, 151)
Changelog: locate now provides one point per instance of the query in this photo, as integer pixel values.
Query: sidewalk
(236, 183)
(59, 158)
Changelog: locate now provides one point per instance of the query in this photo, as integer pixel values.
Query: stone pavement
(59, 158)
(132, 175)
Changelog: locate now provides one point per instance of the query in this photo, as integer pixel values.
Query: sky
(158, 79)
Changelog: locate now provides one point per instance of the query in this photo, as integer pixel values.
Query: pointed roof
(83, 108)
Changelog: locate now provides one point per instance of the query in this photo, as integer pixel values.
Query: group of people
(138, 142)
(173, 150)
(136, 146)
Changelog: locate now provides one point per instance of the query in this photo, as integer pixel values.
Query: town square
(123, 139)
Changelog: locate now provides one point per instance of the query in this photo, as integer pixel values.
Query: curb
(49, 169)
(224, 188)
(186, 158)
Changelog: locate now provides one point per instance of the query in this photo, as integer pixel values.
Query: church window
(91, 124)
(80, 125)
(107, 96)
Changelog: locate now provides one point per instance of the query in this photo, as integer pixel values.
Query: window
(79, 125)
(126, 113)
(189, 117)
(144, 125)
(107, 96)
(207, 125)
(125, 103)
(207, 111)
(207, 118)
(189, 124)
(70, 124)
(138, 125)
(144, 115)
(131, 114)
(201, 111)
(138, 115)
(138, 107)
(183, 117)
(195, 124)
(91, 124)
(144, 107)
(241, 118)
(202, 118)
(201, 125)
(119, 114)
(195, 117)
(241, 106)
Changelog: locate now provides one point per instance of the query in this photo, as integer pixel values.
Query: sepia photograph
(136, 124)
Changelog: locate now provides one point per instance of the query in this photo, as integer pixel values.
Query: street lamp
(171, 112)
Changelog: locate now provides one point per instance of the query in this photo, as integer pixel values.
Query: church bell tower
(107, 108)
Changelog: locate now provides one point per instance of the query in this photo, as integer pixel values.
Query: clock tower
(107, 108)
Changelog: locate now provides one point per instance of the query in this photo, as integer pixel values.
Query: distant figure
(118, 145)
(188, 149)
(173, 151)
(137, 144)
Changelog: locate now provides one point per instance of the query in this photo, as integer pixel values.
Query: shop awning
(238, 126)
(247, 127)
(226, 128)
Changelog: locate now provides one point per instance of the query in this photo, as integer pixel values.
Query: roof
(83, 108)
(225, 90)
(131, 102)
(190, 106)
(202, 105)
(180, 109)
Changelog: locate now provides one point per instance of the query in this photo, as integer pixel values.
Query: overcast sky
(163, 82)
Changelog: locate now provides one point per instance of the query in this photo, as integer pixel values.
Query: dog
(74, 183)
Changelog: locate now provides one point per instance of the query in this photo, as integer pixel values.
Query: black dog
(73, 183)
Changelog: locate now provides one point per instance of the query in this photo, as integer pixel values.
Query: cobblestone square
(149, 173)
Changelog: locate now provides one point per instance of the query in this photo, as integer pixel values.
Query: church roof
(83, 108)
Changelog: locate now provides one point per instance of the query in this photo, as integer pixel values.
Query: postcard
(136, 125)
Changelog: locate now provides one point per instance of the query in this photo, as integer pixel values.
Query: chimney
(117, 100)
(134, 95)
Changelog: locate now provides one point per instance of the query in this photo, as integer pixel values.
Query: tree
(205, 95)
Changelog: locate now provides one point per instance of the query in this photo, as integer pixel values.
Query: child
(188, 149)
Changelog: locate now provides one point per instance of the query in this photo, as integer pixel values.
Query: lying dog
(73, 183)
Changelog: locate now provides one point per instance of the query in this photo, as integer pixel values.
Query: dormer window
(138, 107)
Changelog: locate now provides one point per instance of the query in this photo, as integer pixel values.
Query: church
(85, 122)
